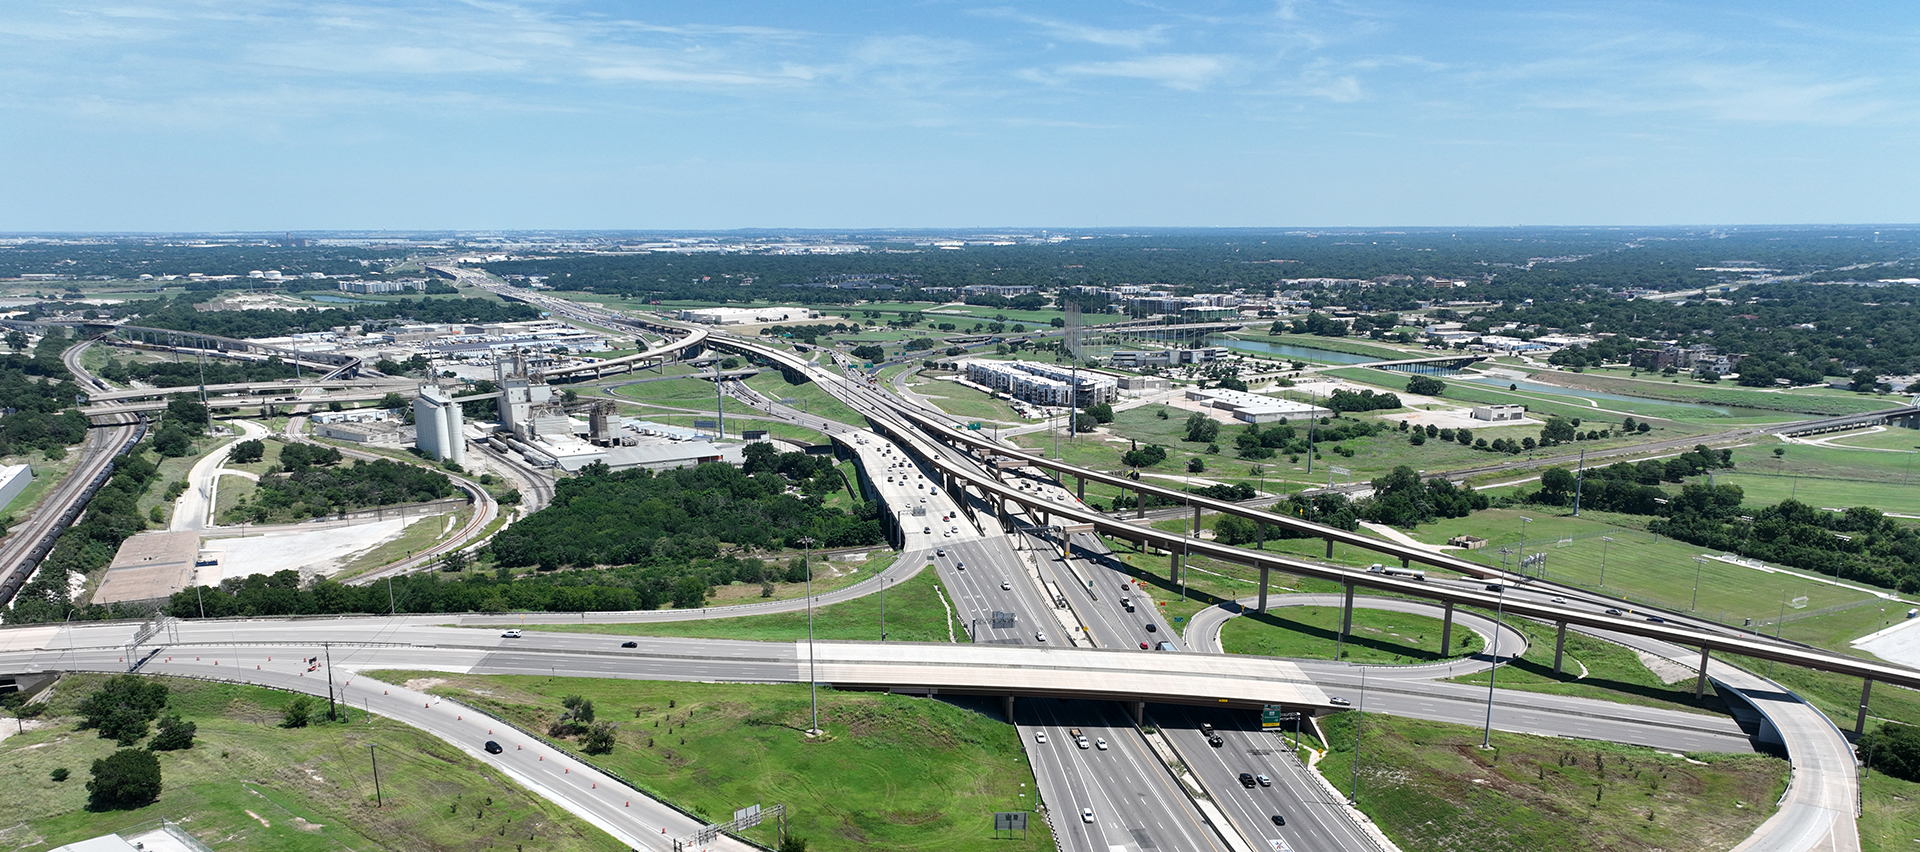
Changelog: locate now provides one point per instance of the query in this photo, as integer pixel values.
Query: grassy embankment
(250, 784)
(1431, 788)
(892, 772)
(1377, 636)
(914, 614)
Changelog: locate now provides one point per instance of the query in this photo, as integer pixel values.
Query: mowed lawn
(892, 772)
(1431, 788)
(250, 784)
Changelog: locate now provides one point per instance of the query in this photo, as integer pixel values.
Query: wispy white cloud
(1173, 70)
(1135, 37)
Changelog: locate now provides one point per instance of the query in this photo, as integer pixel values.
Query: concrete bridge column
(1259, 536)
(1173, 567)
(1083, 489)
(1406, 562)
(1196, 520)
(1700, 685)
(1860, 721)
(1446, 630)
(1138, 709)
(1006, 703)
(1346, 622)
(1264, 571)
(1329, 548)
(1559, 646)
(1140, 504)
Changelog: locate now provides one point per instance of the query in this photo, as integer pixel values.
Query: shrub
(128, 778)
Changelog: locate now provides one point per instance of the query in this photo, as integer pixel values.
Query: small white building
(14, 479)
(1499, 413)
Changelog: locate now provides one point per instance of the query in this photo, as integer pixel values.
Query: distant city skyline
(270, 116)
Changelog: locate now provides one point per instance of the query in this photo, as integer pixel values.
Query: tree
(869, 352)
(392, 401)
(1556, 486)
(128, 778)
(579, 708)
(1102, 412)
(1425, 385)
(247, 452)
(1196, 465)
(793, 843)
(1233, 529)
(1894, 749)
(182, 411)
(299, 712)
(173, 441)
(175, 734)
(1557, 430)
(121, 708)
(1146, 456)
(1201, 429)
(599, 739)
(16, 340)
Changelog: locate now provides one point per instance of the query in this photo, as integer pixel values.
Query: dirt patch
(1666, 670)
(263, 820)
(302, 824)
(422, 684)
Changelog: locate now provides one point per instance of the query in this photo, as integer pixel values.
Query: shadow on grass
(1712, 702)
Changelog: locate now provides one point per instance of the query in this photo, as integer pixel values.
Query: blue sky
(271, 115)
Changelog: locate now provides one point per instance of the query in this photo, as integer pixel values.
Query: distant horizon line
(1108, 230)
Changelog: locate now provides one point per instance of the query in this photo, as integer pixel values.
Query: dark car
(1615, 612)
(1279, 820)
(629, 644)
(1152, 628)
(493, 747)
(1656, 619)
(1246, 780)
(1216, 741)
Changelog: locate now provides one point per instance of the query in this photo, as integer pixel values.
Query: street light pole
(1499, 612)
(1521, 565)
(813, 680)
(1698, 563)
(1604, 541)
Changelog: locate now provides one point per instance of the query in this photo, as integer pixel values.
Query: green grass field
(1431, 788)
(249, 784)
(1884, 438)
(1888, 820)
(807, 395)
(1309, 632)
(962, 401)
(1592, 668)
(679, 393)
(1687, 390)
(1684, 420)
(1331, 344)
(914, 614)
(892, 773)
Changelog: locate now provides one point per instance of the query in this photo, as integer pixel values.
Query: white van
(510, 634)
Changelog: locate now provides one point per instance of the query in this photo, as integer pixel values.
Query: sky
(265, 115)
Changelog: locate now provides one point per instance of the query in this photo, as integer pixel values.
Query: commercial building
(1498, 413)
(438, 429)
(14, 479)
(1167, 357)
(418, 285)
(1256, 408)
(745, 316)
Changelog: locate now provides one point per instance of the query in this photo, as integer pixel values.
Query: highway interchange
(1002, 557)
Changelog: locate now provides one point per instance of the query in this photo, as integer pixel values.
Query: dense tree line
(1858, 544)
(640, 517)
(1254, 442)
(314, 486)
(178, 313)
(110, 518)
(37, 399)
(1363, 400)
(1893, 748)
(215, 371)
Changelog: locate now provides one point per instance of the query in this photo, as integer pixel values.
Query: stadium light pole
(813, 680)
(1604, 541)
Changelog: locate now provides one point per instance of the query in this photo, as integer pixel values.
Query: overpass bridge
(911, 428)
(1906, 415)
(1430, 364)
(255, 388)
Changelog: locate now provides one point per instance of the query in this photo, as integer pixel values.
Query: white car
(1040, 737)
(1006, 586)
(1040, 637)
(1560, 600)
(510, 634)
(1086, 815)
(1082, 742)
(1100, 743)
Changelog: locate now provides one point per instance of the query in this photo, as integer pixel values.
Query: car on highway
(1082, 742)
(1264, 780)
(926, 530)
(960, 566)
(1006, 586)
(1560, 600)
(1279, 820)
(1246, 780)
(510, 634)
(1144, 646)
(1039, 637)
(1152, 628)
(1656, 619)
(942, 552)
(1216, 741)
(1165, 646)
(629, 644)
(1086, 815)
(1040, 737)
(1100, 743)
(493, 747)
(1340, 701)
(1615, 611)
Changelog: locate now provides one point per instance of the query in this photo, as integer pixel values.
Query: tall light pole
(883, 608)
(1604, 541)
(1699, 562)
(1359, 723)
(813, 681)
(1521, 565)
(1486, 739)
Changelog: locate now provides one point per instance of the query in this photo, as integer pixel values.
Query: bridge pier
(1140, 504)
(1446, 630)
(1860, 721)
(1406, 562)
(1006, 703)
(1196, 521)
(1346, 621)
(1559, 645)
(1138, 710)
(1700, 684)
(1264, 571)
(1173, 567)
(1329, 548)
(1083, 489)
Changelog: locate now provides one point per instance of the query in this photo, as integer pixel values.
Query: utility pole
(1486, 739)
(390, 608)
(1579, 480)
(1359, 724)
(333, 713)
(376, 774)
(813, 680)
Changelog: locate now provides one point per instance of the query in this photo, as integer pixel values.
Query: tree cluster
(41, 397)
(111, 516)
(314, 486)
(1363, 400)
